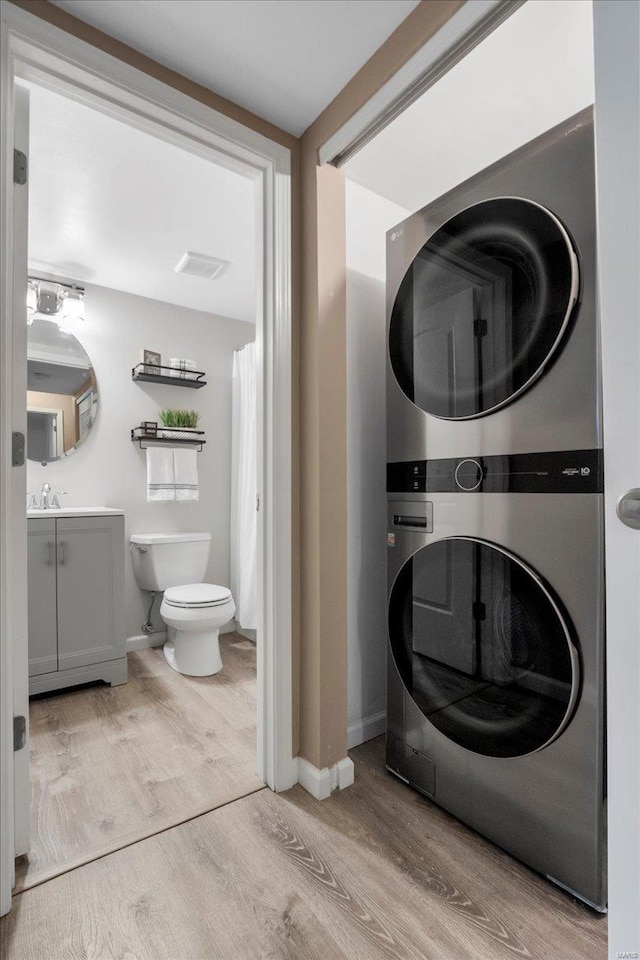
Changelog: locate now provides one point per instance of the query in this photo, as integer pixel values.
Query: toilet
(192, 610)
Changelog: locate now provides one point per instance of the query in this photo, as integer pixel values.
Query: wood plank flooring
(111, 765)
(376, 872)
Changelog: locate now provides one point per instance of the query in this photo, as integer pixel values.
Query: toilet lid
(197, 595)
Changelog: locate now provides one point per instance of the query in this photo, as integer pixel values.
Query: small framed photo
(151, 360)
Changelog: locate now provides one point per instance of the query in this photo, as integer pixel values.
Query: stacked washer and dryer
(495, 508)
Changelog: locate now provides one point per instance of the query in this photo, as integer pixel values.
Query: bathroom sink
(76, 512)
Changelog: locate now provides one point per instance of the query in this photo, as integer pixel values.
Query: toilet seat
(197, 596)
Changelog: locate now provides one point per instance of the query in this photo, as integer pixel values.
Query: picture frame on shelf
(152, 361)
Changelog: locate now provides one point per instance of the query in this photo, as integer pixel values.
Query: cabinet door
(90, 553)
(43, 631)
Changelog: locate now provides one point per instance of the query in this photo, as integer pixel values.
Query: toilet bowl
(192, 610)
(194, 614)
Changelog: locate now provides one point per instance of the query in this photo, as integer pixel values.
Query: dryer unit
(491, 305)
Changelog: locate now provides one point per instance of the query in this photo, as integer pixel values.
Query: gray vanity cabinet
(43, 629)
(90, 599)
(76, 601)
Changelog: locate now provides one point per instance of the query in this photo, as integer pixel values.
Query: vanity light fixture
(63, 303)
(73, 304)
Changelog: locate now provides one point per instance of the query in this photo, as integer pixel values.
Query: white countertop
(76, 512)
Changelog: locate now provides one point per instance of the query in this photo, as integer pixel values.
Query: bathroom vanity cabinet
(76, 599)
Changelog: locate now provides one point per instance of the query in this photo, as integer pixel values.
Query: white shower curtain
(244, 488)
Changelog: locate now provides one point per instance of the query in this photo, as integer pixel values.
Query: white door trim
(35, 50)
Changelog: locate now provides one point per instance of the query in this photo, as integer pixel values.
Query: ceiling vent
(200, 265)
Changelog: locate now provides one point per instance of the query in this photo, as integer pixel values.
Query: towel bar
(144, 439)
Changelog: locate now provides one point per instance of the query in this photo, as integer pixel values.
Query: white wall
(108, 469)
(368, 218)
(530, 74)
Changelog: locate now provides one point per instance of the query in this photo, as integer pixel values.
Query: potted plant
(178, 424)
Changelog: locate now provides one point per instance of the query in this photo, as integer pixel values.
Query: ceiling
(532, 72)
(55, 377)
(285, 60)
(113, 206)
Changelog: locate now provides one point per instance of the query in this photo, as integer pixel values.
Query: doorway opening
(123, 746)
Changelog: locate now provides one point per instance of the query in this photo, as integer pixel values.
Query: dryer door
(482, 308)
(483, 647)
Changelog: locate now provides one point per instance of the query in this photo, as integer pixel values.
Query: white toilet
(193, 611)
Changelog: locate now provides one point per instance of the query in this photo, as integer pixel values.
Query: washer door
(483, 648)
(482, 308)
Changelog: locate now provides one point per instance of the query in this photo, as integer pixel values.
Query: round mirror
(62, 394)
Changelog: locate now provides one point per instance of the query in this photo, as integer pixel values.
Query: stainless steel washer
(491, 305)
(496, 651)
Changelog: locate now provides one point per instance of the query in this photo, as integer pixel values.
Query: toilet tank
(162, 560)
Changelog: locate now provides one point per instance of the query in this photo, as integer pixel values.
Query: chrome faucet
(49, 498)
(46, 497)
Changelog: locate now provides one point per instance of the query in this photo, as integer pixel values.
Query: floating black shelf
(144, 439)
(191, 378)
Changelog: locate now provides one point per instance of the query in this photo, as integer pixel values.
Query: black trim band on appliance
(566, 471)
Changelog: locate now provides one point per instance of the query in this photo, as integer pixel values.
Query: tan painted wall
(319, 367)
(323, 464)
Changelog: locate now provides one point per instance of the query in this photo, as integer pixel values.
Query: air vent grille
(201, 265)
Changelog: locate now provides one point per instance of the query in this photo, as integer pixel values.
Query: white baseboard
(145, 640)
(321, 783)
(366, 729)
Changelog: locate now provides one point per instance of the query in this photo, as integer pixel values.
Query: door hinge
(19, 167)
(17, 449)
(19, 732)
(258, 502)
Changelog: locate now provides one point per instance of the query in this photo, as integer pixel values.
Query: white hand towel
(185, 464)
(160, 474)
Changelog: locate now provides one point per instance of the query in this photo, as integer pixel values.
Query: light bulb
(73, 305)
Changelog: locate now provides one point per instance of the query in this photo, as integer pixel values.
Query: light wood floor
(111, 765)
(375, 872)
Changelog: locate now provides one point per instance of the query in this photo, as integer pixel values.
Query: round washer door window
(483, 648)
(482, 308)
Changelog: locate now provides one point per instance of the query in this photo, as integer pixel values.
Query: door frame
(33, 50)
(59, 418)
(617, 135)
